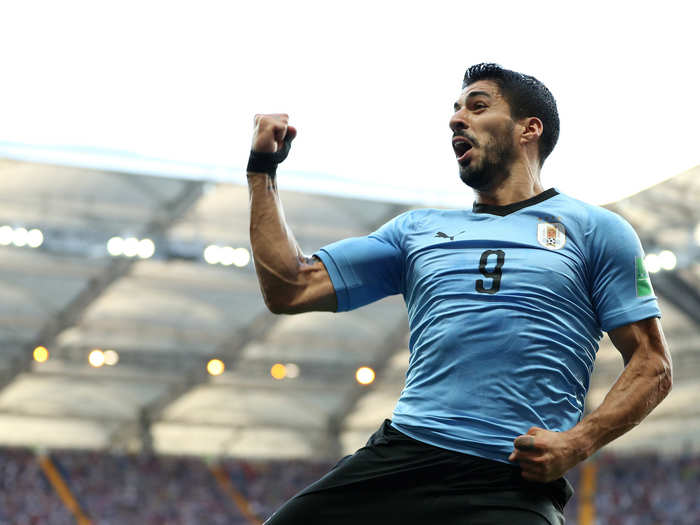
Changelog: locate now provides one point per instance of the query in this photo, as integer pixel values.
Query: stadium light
(292, 370)
(652, 263)
(212, 254)
(20, 236)
(35, 238)
(6, 235)
(215, 367)
(115, 246)
(111, 357)
(96, 358)
(41, 354)
(131, 247)
(278, 371)
(241, 257)
(146, 248)
(667, 260)
(364, 375)
(227, 256)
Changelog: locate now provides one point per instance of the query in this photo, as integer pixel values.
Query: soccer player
(506, 302)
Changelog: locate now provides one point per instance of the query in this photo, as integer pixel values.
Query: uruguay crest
(551, 235)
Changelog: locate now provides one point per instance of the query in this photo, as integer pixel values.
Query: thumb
(291, 133)
(534, 431)
(525, 442)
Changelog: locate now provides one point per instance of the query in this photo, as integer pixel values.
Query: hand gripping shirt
(506, 305)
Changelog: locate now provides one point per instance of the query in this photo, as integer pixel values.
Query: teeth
(461, 148)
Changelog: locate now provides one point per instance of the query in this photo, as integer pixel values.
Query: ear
(532, 130)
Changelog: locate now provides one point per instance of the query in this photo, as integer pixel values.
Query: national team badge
(551, 235)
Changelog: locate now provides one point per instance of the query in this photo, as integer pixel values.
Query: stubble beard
(495, 165)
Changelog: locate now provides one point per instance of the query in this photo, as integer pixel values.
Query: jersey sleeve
(620, 287)
(366, 269)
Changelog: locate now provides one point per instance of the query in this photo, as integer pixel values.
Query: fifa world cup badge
(551, 235)
(642, 278)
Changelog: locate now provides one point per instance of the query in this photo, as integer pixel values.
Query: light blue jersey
(506, 305)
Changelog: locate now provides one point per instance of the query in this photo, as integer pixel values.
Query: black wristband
(260, 162)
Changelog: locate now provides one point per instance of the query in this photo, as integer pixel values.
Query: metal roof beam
(72, 312)
(386, 349)
(230, 349)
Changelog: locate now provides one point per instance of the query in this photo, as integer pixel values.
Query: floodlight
(292, 370)
(6, 233)
(111, 357)
(241, 257)
(652, 263)
(667, 259)
(364, 375)
(146, 248)
(278, 371)
(215, 367)
(35, 238)
(212, 254)
(20, 236)
(96, 358)
(115, 246)
(227, 256)
(41, 354)
(131, 247)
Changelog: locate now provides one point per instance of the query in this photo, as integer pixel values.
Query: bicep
(644, 338)
(316, 293)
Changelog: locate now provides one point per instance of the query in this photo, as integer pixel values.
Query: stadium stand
(645, 489)
(26, 496)
(648, 490)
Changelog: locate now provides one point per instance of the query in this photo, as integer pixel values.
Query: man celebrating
(506, 302)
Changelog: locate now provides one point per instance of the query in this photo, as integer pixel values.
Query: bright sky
(170, 88)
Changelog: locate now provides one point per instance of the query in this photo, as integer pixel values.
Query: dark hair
(526, 96)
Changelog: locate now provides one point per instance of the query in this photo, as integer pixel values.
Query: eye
(480, 105)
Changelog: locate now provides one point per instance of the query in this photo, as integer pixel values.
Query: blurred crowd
(26, 497)
(159, 490)
(648, 490)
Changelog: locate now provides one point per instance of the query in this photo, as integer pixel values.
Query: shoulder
(419, 218)
(595, 220)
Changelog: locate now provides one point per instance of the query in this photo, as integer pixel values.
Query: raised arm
(290, 281)
(643, 384)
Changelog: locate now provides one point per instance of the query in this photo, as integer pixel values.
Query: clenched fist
(544, 455)
(270, 132)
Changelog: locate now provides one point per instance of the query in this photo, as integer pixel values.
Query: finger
(271, 118)
(534, 430)
(531, 476)
(525, 442)
(523, 455)
(522, 459)
(291, 133)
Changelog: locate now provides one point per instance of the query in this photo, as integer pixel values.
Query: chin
(476, 180)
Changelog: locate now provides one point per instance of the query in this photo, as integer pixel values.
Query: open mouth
(461, 148)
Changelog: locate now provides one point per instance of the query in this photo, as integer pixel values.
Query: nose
(458, 120)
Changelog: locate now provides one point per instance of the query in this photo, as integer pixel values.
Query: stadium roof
(369, 85)
(167, 314)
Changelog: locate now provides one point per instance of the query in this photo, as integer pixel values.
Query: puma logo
(442, 235)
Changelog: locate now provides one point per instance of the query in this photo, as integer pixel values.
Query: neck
(522, 183)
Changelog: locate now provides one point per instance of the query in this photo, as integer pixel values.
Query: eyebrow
(473, 94)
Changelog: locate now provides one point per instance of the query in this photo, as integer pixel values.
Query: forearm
(643, 384)
(276, 253)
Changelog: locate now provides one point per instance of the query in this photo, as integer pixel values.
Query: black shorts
(396, 479)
